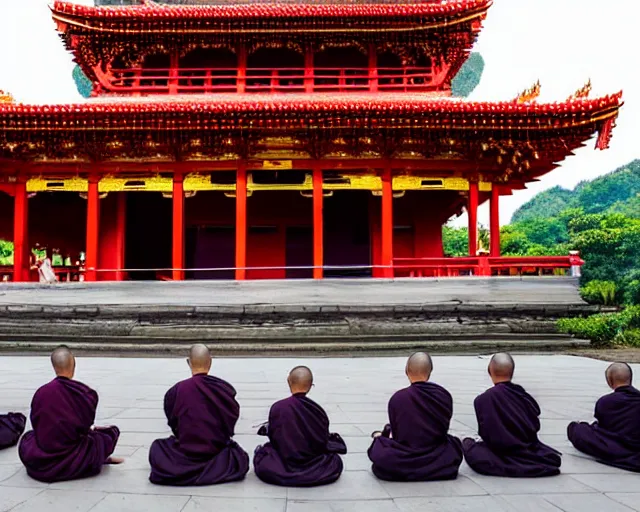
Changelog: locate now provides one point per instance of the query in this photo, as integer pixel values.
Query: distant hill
(616, 192)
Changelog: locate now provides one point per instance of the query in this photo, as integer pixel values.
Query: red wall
(112, 236)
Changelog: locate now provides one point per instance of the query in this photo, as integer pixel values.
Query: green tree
(468, 77)
(455, 241)
(83, 84)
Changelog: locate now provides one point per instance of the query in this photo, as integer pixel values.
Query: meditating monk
(202, 412)
(415, 445)
(508, 424)
(64, 444)
(301, 452)
(614, 439)
(11, 428)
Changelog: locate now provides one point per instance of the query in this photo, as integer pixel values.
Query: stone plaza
(354, 392)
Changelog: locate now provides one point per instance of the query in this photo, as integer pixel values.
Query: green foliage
(6, 252)
(551, 202)
(455, 241)
(616, 192)
(599, 292)
(84, 85)
(604, 329)
(468, 77)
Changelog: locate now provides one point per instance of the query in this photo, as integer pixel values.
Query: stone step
(317, 347)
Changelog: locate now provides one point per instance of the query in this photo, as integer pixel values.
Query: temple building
(282, 139)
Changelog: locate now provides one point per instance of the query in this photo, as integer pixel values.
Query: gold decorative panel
(355, 182)
(75, 184)
(195, 182)
(146, 184)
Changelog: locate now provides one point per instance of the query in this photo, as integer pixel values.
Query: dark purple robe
(202, 412)
(11, 428)
(508, 424)
(63, 445)
(614, 439)
(301, 452)
(419, 448)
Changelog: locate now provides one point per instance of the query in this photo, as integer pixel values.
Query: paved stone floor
(355, 393)
(374, 292)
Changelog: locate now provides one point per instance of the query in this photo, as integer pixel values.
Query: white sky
(560, 42)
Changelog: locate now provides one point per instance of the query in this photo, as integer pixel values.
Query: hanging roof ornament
(583, 92)
(530, 94)
(5, 97)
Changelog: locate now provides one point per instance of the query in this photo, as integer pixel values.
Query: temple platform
(274, 317)
(354, 392)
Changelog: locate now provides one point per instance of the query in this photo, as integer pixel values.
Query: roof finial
(583, 92)
(6, 97)
(529, 94)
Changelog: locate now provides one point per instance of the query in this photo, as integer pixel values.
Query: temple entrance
(210, 235)
(299, 252)
(148, 235)
(211, 247)
(347, 241)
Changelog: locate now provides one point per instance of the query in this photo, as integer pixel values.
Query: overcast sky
(560, 42)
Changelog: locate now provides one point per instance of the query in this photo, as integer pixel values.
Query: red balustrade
(486, 266)
(280, 80)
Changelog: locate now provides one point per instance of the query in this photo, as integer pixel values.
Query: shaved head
(501, 367)
(619, 374)
(419, 367)
(199, 359)
(63, 362)
(300, 379)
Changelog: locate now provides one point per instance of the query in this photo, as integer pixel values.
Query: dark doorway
(211, 247)
(346, 234)
(299, 252)
(148, 234)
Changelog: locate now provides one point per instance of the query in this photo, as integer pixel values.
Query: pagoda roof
(512, 141)
(332, 109)
(102, 17)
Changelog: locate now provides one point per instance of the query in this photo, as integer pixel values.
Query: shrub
(630, 337)
(604, 329)
(599, 292)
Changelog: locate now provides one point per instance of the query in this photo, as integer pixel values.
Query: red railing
(209, 80)
(63, 273)
(486, 266)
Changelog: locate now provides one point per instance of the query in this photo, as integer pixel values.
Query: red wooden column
(177, 254)
(373, 68)
(121, 218)
(93, 228)
(308, 68)
(241, 221)
(173, 73)
(387, 223)
(472, 211)
(494, 221)
(241, 85)
(318, 225)
(21, 233)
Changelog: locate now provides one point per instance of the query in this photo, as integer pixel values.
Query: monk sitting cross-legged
(614, 439)
(11, 428)
(301, 452)
(63, 444)
(202, 412)
(415, 446)
(508, 424)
